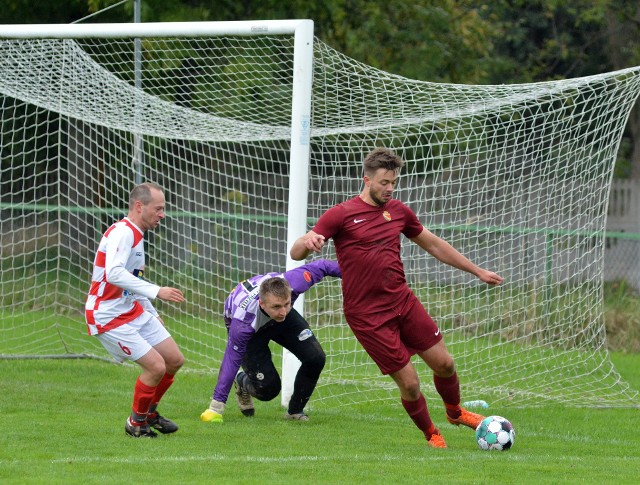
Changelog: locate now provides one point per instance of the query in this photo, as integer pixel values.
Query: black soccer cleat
(245, 401)
(142, 430)
(162, 424)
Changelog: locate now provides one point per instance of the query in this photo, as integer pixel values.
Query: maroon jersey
(367, 241)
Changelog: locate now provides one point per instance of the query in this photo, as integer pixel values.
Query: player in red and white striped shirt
(119, 312)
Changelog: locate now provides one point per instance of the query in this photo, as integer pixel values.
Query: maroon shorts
(392, 338)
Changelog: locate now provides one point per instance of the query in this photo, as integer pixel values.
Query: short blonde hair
(276, 286)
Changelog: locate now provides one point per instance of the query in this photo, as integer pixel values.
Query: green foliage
(500, 42)
(453, 40)
(41, 11)
(374, 443)
(542, 39)
(622, 316)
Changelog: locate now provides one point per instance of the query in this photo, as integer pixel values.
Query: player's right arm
(226, 374)
(305, 245)
(240, 310)
(328, 225)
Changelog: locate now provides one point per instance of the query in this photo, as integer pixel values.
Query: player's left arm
(118, 249)
(239, 335)
(446, 253)
(304, 277)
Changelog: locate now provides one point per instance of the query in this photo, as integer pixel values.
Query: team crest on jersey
(307, 276)
(386, 215)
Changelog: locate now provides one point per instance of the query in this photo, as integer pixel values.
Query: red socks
(142, 397)
(163, 385)
(418, 412)
(147, 397)
(449, 390)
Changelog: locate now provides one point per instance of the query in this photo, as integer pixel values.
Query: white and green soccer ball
(495, 433)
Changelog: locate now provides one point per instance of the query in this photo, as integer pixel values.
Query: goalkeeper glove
(214, 413)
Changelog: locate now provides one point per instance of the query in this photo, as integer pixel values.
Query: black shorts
(293, 334)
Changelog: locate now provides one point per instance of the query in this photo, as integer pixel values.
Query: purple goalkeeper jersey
(243, 316)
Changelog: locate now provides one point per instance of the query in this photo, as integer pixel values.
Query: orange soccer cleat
(466, 418)
(436, 440)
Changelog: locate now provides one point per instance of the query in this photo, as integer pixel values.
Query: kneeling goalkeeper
(256, 312)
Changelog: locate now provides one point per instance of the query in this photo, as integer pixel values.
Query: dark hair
(382, 158)
(142, 193)
(277, 286)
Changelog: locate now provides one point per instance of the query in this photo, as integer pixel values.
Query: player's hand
(315, 242)
(209, 416)
(490, 277)
(214, 413)
(167, 293)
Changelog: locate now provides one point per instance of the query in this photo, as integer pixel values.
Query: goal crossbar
(153, 29)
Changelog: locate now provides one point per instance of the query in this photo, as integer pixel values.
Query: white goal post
(302, 75)
(255, 129)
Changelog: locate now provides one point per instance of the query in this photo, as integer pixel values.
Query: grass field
(62, 422)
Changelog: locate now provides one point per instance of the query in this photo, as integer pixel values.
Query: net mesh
(516, 177)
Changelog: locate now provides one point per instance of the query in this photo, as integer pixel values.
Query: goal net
(516, 177)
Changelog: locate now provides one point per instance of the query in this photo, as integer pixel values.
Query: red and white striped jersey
(118, 293)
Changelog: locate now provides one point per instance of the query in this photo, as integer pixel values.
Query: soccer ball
(495, 433)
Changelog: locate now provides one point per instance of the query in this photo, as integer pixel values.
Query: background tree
(622, 26)
(458, 41)
(42, 11)
(541, 40)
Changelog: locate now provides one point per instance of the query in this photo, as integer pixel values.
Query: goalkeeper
(256, 312)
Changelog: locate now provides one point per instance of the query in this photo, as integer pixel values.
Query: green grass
(63, 421)
(498, 371)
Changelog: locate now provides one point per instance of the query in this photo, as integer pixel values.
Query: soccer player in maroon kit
(381, 310)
